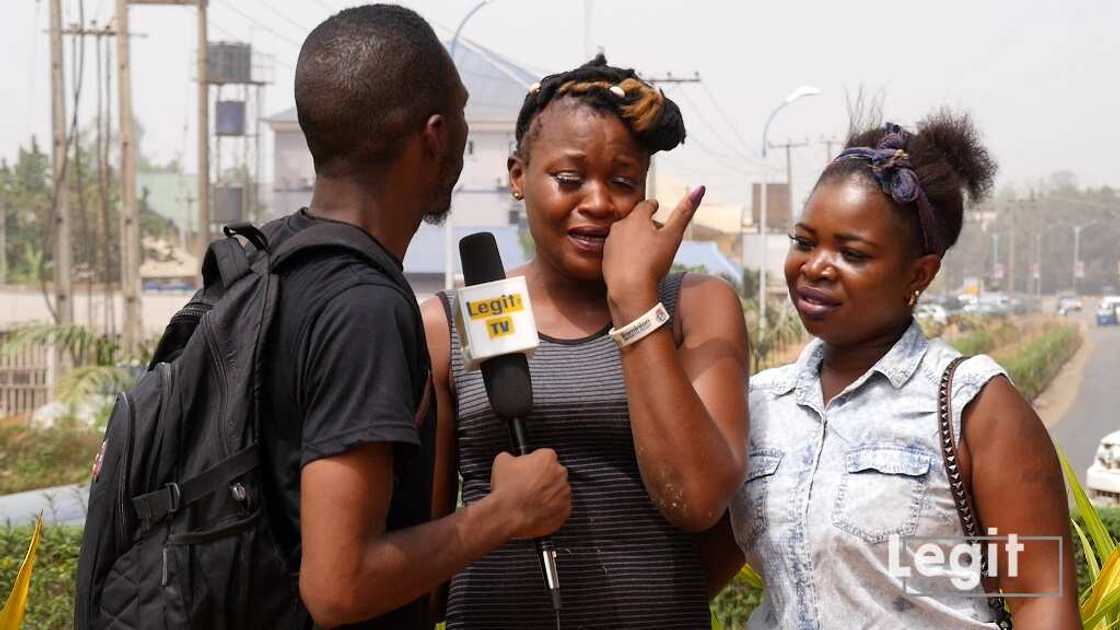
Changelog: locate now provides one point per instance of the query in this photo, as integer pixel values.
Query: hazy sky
(1040, 78)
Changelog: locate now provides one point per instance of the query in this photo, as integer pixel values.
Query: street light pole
(462, 23)
(1077, 251)
(762, 257)
(995, 256)
(1038, 263)
(449, 221)
(798, 94)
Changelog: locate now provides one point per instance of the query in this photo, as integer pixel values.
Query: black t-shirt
(346, 364)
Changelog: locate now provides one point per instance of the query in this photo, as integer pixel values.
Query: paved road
(59, 505)
(1096, 410)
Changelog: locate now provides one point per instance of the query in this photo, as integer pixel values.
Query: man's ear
(925, 270)
(437, 138)
(516, 168)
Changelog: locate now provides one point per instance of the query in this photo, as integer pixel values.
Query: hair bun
(946, 156)
(950, 139)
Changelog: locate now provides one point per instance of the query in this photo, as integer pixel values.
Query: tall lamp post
(449, 222)
(1077, 269)
(796, 95)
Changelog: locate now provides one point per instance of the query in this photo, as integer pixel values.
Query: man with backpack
(274, 466)
(381, 105)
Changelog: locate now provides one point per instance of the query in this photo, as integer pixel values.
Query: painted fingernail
(696, 195)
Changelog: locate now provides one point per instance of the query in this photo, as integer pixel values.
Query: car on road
(1102, 480)
(1107, 312)
(932, 312)
(1069, 304)
(989, 304)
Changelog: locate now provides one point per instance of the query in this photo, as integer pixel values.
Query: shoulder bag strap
(961, 496)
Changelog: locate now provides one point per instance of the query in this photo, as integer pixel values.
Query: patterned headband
(890, 165)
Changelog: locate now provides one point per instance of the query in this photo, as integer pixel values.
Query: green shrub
(1111, 519)
(51, 602)
(1035, 364)
(42, 458)
(974, 342)
(734, 604)
(980, 335)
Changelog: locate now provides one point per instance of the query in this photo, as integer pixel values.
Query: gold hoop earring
(913, 301)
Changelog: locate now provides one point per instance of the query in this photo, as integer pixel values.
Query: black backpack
(177, 534)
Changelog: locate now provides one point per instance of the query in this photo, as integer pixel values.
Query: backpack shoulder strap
(225, 262)
(333, 234)
(226, 259)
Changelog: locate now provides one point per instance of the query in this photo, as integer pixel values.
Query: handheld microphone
(497, 331)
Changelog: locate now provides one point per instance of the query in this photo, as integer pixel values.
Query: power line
(726, 118)
(271, 54)
(722, 159)
(301, 28)
(266, 28)
(716, 131)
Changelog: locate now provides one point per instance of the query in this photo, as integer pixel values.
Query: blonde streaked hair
(654, 119)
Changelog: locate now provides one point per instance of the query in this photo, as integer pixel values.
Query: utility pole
(788, 146)
(258, 110)
(651, 176)
(4, 238)
(203, 132)
(828, 142)
(63, 283)
(246, 174)
(1011, 250)
(130, 226)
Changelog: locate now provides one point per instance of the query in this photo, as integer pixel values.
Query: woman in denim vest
(846, 474)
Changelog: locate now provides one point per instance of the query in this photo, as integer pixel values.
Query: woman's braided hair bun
(655, 120)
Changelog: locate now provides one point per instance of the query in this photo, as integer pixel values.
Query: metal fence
(25, 379)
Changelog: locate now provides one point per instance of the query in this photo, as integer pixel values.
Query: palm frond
(1094, 526)
(84, 345)
(83, 382)
(1090, 556)
(751, 577)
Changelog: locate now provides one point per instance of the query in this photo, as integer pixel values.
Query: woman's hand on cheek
(638, 254)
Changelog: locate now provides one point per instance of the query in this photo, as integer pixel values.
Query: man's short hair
(367, 77)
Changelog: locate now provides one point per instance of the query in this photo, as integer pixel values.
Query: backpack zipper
(223, 385)
(191, 311)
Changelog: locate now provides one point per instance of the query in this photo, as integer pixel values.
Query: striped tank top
(621, 564)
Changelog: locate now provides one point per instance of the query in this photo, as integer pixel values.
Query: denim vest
(829, 487)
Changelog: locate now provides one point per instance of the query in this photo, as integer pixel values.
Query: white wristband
(638, 329)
